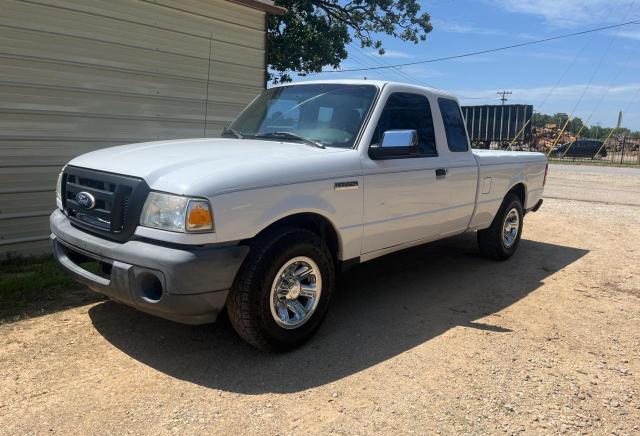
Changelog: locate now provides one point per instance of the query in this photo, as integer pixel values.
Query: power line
(613, 80)
(584, 91)
(503, 96)
(560, 79)
(377, 60)
(573, 61)
(575, 58)
(357, 54)
(402, 74)
(600, 63)
(475, 53)
(488, 97)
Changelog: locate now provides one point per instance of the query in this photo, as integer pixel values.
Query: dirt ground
(431, 340)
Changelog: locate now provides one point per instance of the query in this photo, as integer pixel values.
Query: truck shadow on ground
(382, 308)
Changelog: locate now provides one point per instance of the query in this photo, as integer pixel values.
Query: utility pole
(503, 96)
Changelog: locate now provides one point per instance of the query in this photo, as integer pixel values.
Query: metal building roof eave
(263, 5)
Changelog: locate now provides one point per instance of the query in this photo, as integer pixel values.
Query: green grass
(32, 283)
(25, 278)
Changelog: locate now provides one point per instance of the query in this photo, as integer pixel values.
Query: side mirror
(399, 138)
(395, 143)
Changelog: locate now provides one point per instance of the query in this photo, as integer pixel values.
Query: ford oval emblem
(85, 200)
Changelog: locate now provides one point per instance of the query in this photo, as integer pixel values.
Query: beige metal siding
(78, 75)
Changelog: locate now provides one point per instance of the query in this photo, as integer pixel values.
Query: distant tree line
(576, 125)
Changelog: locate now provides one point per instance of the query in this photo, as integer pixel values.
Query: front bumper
(188, 285)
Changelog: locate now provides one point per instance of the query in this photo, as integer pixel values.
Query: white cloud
(526, 35)
(630, 64)
(420, 72)
(449, 26)
(571, 12)
(479, 59)
(550, 56)
(454, 27)
(570, 93)
(629, 34)
(391, 54)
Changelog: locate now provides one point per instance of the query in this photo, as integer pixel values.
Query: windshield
(327, 114)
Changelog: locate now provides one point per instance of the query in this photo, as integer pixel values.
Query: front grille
(112, 205)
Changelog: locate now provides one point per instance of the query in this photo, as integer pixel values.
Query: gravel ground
(612, 185)
(430, 340)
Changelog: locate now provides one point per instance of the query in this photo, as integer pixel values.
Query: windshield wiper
(292, 136)
(233, 132)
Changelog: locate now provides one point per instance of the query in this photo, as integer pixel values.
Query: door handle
(441, 172)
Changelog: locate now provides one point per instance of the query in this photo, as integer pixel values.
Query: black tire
(491, 241)
(249, 305)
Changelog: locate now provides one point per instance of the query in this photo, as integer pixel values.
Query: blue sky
(565, 67)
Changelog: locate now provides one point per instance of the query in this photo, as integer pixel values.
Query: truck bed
(497, 172)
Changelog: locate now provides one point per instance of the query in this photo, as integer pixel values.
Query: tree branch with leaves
(313, 34)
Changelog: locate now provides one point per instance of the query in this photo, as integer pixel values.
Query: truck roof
(379, 83)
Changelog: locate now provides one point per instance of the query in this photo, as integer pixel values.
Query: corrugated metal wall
(77, 75)
(499, 122)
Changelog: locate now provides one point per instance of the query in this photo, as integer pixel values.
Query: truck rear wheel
(282, 292)
(500, 241)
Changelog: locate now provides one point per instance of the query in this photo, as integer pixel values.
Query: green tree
(313, 34)
(575, 125)
(540, 120)
(596, 132)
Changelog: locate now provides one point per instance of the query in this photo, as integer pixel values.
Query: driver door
(404, 200)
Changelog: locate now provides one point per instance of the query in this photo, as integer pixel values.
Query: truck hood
(210, 166)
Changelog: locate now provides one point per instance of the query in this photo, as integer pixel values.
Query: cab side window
(454, 125)
(407, 111)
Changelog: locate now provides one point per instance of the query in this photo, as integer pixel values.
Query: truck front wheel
(282, 292)
(500, 241)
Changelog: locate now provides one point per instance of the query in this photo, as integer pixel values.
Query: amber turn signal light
(199, 216)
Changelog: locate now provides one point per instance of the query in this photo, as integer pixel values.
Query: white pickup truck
(310, 179)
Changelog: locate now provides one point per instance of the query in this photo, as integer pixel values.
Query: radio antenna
(206, 101)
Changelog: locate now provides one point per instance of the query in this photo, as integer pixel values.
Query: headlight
(59, 186)
(176, 213)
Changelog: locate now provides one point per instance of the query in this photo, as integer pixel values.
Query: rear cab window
(454, 125)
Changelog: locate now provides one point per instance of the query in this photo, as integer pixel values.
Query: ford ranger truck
(310, 179)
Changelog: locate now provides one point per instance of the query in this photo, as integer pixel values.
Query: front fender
(242, 215)
(296, 205)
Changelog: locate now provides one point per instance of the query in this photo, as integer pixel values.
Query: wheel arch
(520, 190)
(313, 222)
